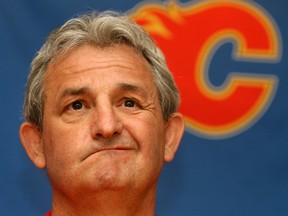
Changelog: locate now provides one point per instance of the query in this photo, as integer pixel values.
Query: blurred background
(229, 60)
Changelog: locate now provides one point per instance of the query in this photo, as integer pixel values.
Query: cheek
(149, 134)
(62, 144)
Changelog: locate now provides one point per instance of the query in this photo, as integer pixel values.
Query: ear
(173, 134)
(31, 140)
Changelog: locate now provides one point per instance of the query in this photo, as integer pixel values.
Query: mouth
(117, 149)
(113, 149)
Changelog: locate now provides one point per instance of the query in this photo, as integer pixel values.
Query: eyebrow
(71, 92)
(133, 88)
(74, 91)
(121, 86)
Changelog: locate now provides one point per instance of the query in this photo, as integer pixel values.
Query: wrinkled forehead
(121, 62)
(61, 55)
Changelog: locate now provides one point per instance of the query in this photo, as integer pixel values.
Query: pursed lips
(119, 148)
(109, 148)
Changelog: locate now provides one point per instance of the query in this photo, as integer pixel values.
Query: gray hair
(102, 30)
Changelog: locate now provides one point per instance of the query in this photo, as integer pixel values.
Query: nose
(106, 122)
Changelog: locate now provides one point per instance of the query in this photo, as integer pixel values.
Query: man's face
(102, 125)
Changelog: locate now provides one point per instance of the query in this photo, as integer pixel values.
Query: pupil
(77, 105)
(129, 103)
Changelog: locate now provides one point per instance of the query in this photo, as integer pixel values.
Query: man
(101, 111)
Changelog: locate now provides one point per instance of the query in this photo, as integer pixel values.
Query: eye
(77, 105)
(129, 103)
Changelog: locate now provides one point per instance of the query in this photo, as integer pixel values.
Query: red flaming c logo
(190, 34)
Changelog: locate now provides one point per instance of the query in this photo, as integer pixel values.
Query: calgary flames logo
(189, 36)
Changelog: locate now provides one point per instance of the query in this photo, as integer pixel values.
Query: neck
(116, 203)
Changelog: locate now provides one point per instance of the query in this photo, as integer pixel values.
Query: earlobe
(174, 132)
(31, 140)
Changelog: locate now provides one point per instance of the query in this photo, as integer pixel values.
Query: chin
(110, 179)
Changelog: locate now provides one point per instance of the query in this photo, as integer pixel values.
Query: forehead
(100, 55)
(93, 64)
